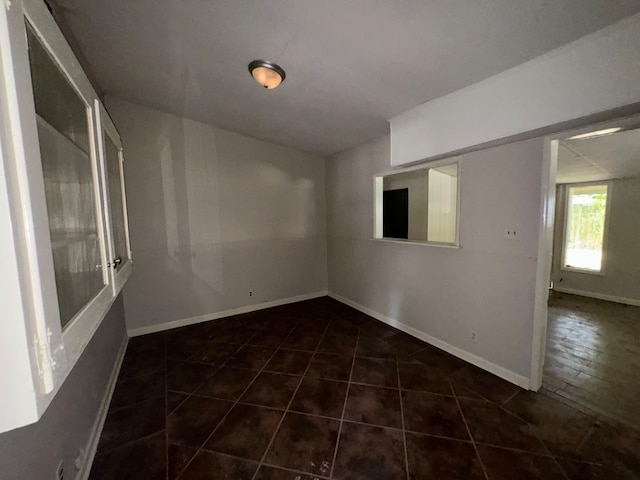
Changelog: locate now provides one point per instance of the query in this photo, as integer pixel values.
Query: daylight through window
(585, 227)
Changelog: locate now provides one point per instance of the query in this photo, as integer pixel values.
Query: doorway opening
(591, 351)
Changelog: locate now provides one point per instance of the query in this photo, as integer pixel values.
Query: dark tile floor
(316, 390)
(593, 355)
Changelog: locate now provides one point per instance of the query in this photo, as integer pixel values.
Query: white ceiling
(351, 65)
(599, 158)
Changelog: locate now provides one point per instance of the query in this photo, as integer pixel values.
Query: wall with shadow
(487, 285)
(214, 215)
(34, 452)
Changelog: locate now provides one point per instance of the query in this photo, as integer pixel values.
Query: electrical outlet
(250, 293)
(510, 234)
(60, 471)
(474, 335)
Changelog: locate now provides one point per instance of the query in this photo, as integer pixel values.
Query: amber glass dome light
(267, 74)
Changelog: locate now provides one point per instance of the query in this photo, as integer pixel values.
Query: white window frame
(40, 352)
(378, 189)
(106, 127)
(605, 236)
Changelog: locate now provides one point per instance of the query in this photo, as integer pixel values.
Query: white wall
(214, 215)
(621, 279)
(487, 285)
(597, 73)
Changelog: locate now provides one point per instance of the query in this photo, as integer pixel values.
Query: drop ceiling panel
(600, 158)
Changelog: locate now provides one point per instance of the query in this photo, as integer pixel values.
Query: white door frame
(545, 238)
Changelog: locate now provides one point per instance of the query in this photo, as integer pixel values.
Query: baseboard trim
(480, 362)
(135, 332)
(96, 431)
(598, 296)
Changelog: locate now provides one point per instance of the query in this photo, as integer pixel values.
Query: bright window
(585, 227)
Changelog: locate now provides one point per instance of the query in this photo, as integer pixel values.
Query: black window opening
(395, 213)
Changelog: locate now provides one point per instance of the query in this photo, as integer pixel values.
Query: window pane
(443, 195)
(115, 199)
(585, 227)
(56, 100)
(63, 134)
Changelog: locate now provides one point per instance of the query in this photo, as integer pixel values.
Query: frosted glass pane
(63, 135)
(115, 199)
(56, 100)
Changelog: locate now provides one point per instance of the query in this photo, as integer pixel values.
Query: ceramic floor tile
(178, 457)
(272, 473)
(423, 378)
(251, 357)
(215, 466)
(187, 377)
(193, 421)
(375, 371)
(302, 341)
(271, 390)
(320, 397)
(132, 423)
(489, 424)
(442, 459)
(374, 405)
(304, 443)
(560, 427)
(228, 383)
(434, 357)
(486, 384)
(289, 361)
(374, 348)
(433, 414)
(330, 366)
(367, 452)
(142, 459)
(245, 432)
(341, 345)
(214, 353)
(504, 464)
(132, 390)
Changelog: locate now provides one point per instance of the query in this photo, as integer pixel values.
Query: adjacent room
(594, 316)
(320, 240)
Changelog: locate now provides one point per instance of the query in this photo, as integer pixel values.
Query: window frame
(42, 352)
(605, 236)
(378, 188)
(106, 127)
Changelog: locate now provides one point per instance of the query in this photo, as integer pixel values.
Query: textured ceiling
(351, 65)
(599, 158)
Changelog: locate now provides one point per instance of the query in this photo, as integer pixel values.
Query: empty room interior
(318, 240)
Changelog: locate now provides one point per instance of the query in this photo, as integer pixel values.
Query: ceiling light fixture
(267, 74)
(597, 133)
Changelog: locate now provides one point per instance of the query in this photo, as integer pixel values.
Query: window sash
(579, 253)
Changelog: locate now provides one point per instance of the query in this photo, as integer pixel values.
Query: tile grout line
(404, 432)
(344, 407)
(473, 442)
(284, 414)
(234, 403)
(546, 448)
(218, 367)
